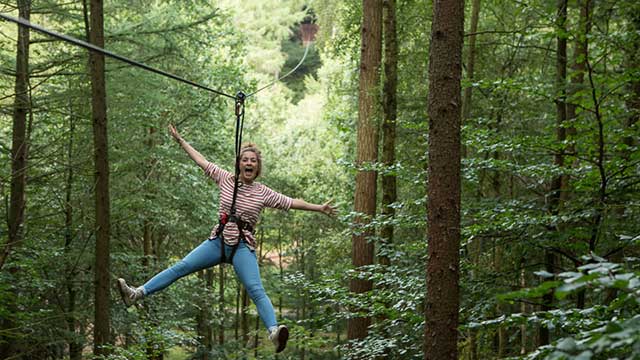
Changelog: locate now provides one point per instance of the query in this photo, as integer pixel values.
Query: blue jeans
(207, 255)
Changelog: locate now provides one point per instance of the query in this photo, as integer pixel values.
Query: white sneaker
(279, 336)
(129, 295)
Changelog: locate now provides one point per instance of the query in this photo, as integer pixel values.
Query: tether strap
(240, 97)
(239, 127)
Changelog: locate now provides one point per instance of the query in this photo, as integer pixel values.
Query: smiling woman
(232, 239)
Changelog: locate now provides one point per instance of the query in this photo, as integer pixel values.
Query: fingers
(173, 131)
(329, 209)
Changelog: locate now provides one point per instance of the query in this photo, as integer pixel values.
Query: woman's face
(248, 166)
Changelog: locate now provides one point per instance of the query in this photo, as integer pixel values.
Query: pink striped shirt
(250, 201)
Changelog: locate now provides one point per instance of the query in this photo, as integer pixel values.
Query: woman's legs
(246, 267)
(204, 256)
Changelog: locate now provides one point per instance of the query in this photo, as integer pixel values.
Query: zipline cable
(306, 50)
(92, 47)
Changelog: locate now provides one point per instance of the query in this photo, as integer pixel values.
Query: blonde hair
(253, 148)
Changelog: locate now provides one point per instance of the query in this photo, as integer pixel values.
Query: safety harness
(233, 216)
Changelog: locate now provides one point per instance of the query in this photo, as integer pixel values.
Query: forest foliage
(535, 257)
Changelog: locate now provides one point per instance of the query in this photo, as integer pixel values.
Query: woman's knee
(256, 291)
(181, 268)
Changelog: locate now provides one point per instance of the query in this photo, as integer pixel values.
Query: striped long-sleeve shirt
(250, 201)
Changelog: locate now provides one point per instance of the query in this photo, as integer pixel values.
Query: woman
(235, 232)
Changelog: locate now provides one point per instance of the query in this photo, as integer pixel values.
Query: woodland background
(550, 174)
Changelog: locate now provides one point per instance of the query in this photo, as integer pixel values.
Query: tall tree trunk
(204, 329)
(581, 52)
(257, 324)
(20, 141)
(19, 155)
(523, 308)
(245, 317)
(221, 314)
(631, 63)
(101, 333)
(75, 346)
(500, 308)
(237, 316)
(280, 269)
(367, 152)
(389, 108)
(443, 209)
(558, 185)
(579, 67)
(303, 308)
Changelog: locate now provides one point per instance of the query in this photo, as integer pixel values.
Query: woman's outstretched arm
(325, 208)
(193, 153)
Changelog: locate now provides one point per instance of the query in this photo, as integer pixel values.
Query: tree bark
(558, 185)
(20, 141)
(389, 108)
(579, 68)
(631, 63)
(367, 153)
(19, 155)
(257, 323)
(244, 313)
(75, 346)
(101, 331)
(221, 313)
(443, 208)
(204, 329)
(523, 308)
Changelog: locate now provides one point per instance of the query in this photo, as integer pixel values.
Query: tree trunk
(221, 313)
(558, 185)
(102, 212)
(75, 346)
(389, 107)
(257, 324)
(19, 154)
(367, 153)
(443, 209)
(280, 269)
(579, 67)
(500, 310)
(523, 309)
(204, 329)
(20, 141)
(244, 313)
(237, 316)
(631, 63)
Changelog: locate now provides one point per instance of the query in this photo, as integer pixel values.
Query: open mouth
(248, 171)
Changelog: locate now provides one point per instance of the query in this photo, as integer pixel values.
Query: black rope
(240, 97)
(100, 50)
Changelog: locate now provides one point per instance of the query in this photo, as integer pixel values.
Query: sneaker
(129, 295)
(279, 336)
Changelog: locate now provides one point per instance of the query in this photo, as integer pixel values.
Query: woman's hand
(174, 133)
(193, 153)
(328, 209)
(325, 208)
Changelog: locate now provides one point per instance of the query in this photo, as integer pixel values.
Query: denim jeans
(207, 255)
